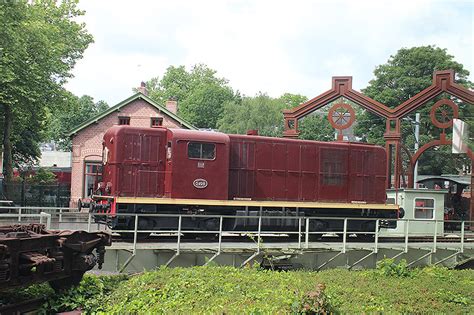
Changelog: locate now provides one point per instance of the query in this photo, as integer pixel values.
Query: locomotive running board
(253, 203)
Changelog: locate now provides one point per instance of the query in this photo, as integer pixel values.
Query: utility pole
(417, 141)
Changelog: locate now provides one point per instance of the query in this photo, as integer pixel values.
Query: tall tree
(200, 93)
(316, 127)
(40, 41)
(404, 75)
(76, 111)
(290, 100)
(260, 112)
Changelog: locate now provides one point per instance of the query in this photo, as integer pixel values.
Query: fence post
(306, 240)
(135, 234)
(178, 249)
(377, 224)
(462, 237)
(344, 236)
(406, 235)
(259, 231)
(299, 232)
(220, 234)
(48, 219)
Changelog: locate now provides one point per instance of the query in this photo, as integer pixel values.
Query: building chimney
(142, 88)
(172, 105)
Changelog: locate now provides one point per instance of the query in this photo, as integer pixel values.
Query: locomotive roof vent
(252, 132)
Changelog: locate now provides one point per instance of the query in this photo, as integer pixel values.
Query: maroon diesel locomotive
(176, 171)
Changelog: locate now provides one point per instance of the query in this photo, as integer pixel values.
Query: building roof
(55, 158)
(458, 179)
(125, 102)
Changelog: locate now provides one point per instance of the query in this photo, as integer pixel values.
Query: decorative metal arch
(341, 87)
(443, 81)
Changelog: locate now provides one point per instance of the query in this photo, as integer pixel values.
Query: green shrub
(392, 288)
(89, 296)
(388, 267)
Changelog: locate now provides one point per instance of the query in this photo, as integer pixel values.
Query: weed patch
(217, 290)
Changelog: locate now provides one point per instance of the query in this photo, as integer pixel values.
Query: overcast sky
(269, 46)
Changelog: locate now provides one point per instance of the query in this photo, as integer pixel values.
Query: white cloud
(269, 46)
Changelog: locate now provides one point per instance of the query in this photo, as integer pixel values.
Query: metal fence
(301, 238)
(38, 195)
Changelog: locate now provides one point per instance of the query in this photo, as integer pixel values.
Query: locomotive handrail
(74, 211)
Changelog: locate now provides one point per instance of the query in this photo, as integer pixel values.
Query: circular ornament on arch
(443, 112)
(341, 116)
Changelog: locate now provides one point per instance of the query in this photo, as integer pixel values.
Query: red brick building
(137, 110)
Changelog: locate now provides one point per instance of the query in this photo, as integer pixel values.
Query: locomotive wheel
(60, 285)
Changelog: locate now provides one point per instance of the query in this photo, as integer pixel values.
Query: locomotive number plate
(200, 183)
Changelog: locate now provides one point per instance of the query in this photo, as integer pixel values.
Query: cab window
(201, 150)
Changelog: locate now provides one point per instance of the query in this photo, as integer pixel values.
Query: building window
(424, 208)
(156, 122)
(202, 151)
(92, 176)
(124, 120)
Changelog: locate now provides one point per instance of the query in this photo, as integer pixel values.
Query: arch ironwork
(442, 114)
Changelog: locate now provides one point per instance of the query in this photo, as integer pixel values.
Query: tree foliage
(76, 111)
(316, 127)
(404, 75)
(259, 112)
(40, 41)
(200, 93)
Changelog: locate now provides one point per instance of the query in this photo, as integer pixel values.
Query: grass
(217, 290)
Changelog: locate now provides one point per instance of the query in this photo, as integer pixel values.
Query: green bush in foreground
(90, 296)
(237, 291)
(217, 290)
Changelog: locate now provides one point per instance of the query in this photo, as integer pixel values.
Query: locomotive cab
(196, 164)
